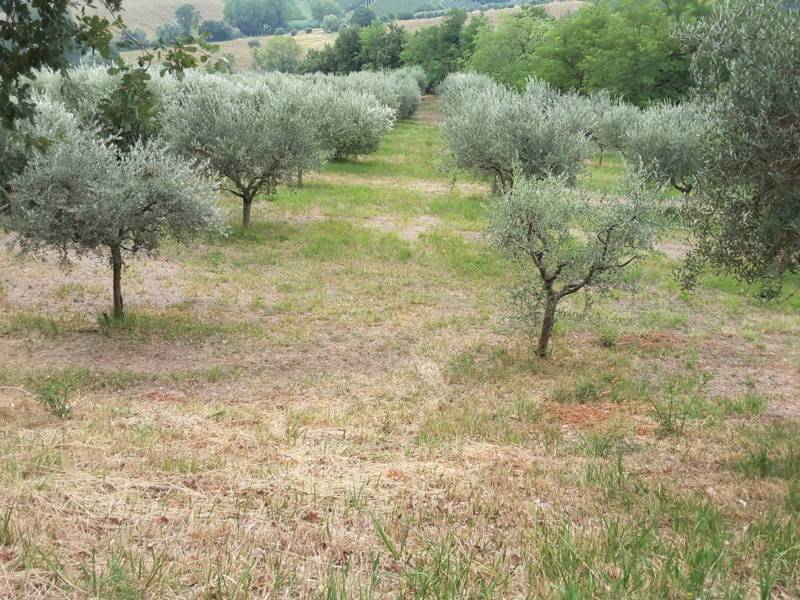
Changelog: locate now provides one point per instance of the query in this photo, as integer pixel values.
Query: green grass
(361, 200)
(49, 326)
(411, 150)
(603, 177)
(789, 299)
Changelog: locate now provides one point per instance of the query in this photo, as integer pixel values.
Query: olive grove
(262, 132)
(96, 184)
(493, 130)
(82, 196)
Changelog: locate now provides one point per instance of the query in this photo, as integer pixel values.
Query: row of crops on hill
(534, 145)
(383, 8)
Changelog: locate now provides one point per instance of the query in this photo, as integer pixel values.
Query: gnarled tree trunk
(247, 205)
(548, 320)
(116, 265)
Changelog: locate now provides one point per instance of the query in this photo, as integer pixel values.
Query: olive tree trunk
(116, 265)
(247, 205)
(548, 320)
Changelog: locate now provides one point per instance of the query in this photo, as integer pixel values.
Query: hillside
(242, 53)
(149, 14)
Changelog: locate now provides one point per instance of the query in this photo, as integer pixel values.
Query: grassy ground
(333, 404)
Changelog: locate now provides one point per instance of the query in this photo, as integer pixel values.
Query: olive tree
(398, 90)
(82, 196)
(351, 123)
(348, 120)
(746, 212)
(255, 135)
(53, 123)
(566, 242)
(416, 73)
(614, 118)
(489, 128)
(668, 141)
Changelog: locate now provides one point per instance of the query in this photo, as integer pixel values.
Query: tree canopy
(83, 196)
(746, 216)
(278, 54)
(627, 47)
(507, 52)
(444, 48)
(252, 16)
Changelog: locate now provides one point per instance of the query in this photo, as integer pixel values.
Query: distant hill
(149, 14)
(241, 52)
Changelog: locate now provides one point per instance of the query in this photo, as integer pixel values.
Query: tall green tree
(746, 215)
(344, 56)
(251, 16)
(362, 16)
(444, 48)
(188, 18)
(626, 47)
(382, 46)
(506, 53)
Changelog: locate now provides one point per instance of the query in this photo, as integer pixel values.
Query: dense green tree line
(627, 47)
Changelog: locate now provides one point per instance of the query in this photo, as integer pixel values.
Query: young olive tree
(668, 141)
(81, 195)
(566, 242)
(256, 136)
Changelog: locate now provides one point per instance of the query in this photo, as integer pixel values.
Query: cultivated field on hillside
(555, 9)
(243, 56)
(242, 53)
(149, 14)
(333, 404)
